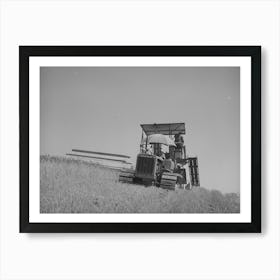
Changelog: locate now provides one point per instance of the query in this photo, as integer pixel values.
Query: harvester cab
(162, 160)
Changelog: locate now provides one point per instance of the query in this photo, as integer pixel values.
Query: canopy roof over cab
(164, 128)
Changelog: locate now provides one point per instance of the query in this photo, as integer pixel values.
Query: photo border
(25, 52)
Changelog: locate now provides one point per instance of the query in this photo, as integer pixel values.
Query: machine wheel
(127, 176)
(168, 181)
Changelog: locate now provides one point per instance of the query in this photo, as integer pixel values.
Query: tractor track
(162, 193)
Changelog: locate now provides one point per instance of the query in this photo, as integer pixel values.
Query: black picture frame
(25, 52)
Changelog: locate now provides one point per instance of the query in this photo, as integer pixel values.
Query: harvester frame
(153, 168)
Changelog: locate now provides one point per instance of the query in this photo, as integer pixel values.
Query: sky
(101, 109)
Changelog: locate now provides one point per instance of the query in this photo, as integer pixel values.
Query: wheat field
(75, 186)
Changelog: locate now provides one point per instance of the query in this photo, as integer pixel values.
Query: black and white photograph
(140, 138)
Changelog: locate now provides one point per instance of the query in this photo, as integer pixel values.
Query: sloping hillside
(76, 186)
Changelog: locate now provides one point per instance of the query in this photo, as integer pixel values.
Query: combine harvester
(170, 169)
(113, 161)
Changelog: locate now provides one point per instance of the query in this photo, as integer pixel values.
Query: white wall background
(139, 256)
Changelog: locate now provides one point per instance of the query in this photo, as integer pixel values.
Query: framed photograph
(140, 138)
